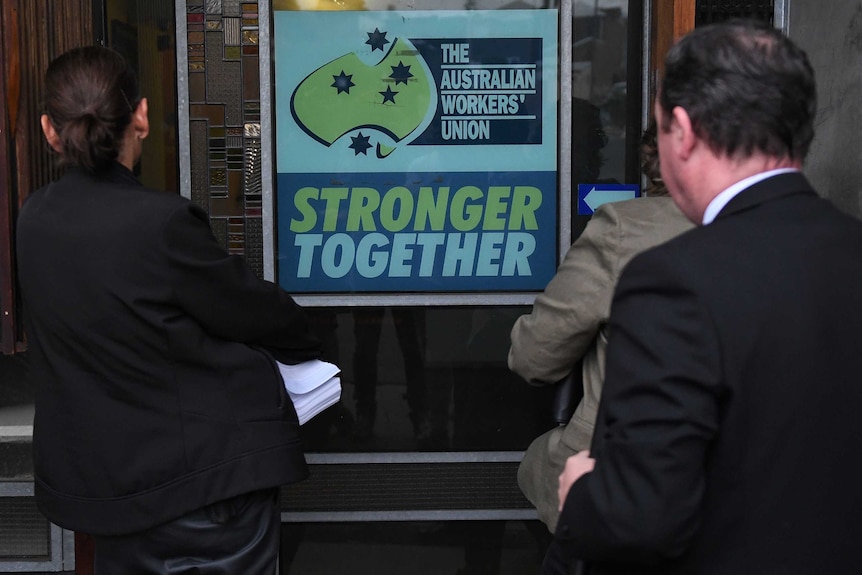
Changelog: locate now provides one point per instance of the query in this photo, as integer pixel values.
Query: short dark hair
(746, 87)
(90, 95)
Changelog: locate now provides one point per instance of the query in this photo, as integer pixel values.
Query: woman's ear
(51, 134)
(141, 120)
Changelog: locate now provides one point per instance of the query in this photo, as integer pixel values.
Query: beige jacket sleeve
(576, 303)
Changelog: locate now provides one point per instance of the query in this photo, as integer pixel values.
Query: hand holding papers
(312, 386)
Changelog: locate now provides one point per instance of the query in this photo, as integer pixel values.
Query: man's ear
(141, 120)
(683, 132)
(51, 134)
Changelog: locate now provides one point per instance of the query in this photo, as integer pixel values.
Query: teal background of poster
(335, 130)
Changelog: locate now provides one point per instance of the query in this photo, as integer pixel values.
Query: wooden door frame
(32, 33)
(670, 19)
(9, 89)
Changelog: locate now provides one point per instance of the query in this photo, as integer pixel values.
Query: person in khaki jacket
(568, 322)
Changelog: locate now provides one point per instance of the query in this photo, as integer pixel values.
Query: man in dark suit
(726, 440)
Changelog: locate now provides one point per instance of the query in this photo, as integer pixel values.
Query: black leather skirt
(236, 536)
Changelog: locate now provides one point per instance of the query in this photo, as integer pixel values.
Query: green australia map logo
(379, 105)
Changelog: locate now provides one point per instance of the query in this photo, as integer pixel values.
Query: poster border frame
(564, 159)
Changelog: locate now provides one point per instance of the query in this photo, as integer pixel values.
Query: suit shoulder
(159, 201)
(140, 203)
(31, 202)
(645, 222)
(169, 200)
(645, 208)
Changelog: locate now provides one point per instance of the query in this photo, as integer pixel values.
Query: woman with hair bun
(162, 426)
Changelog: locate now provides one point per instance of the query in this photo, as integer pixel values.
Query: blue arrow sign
(591, 196)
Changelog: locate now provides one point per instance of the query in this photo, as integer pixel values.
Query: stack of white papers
(312, 386)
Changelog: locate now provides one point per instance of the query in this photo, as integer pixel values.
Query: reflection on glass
(599, 45)
(410, 332)
(418, 548)
(599, 96)
(144, 33)
(426, 379)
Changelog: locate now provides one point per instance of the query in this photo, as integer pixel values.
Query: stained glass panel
(224, 93)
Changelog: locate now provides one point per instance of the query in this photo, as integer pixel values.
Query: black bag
(568, 393)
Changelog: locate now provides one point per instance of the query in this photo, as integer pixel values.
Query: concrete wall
(831, 32)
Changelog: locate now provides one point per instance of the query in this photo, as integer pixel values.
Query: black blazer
(152, 358)
(728, 439)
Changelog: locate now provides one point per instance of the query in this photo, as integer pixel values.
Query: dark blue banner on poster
(435, 232)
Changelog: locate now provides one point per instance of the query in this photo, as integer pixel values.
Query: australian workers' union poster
(416, 151)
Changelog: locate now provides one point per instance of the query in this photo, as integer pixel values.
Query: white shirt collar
(721, 200)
